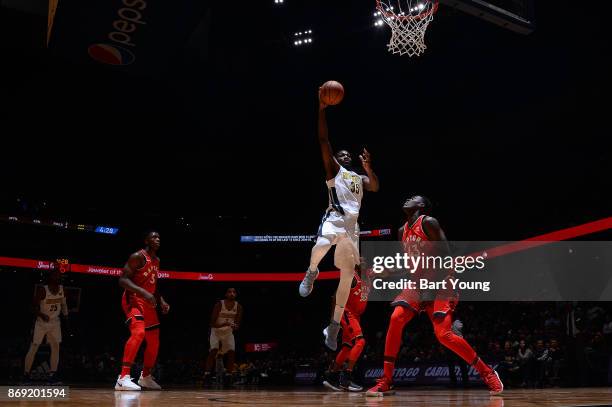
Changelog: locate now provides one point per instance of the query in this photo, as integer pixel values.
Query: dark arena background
(198, 120)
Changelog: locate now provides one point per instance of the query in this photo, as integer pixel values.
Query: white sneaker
(148, 382)
(331, 335)
(308, 282)
(125, 383)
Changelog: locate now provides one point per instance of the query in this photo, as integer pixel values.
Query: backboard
(514, 15)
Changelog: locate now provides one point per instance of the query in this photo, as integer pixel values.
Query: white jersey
(226, 316)
(52, 304)
(345, 192)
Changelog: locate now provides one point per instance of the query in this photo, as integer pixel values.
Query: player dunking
(416, 232)
(225, 319)
(353, 341)
(139, 302)
(339, 226)
(49, 301)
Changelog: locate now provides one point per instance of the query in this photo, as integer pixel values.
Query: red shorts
(417, 300)
(351, 328)
(137, 308)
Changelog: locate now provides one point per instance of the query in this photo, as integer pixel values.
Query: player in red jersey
(353, 341)
(139, 302)
(416, 232)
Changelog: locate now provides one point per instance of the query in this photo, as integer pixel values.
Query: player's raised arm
(370, 180)
(329, 161)
(135, 262)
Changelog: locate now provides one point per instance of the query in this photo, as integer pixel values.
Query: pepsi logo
(111, 54)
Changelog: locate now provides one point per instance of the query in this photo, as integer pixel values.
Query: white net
(408, 20)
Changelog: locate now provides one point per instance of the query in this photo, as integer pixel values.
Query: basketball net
(408, 20)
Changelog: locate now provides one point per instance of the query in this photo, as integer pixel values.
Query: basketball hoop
(408, 20)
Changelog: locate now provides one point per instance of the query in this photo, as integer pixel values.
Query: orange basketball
(332, 93)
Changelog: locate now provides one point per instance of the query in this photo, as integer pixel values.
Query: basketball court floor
(315, 397)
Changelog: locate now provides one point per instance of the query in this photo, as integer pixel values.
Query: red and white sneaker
(494, 383)
(382, 388)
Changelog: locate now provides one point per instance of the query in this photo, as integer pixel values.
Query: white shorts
(224, 342)
(52, 330)
(336, 226)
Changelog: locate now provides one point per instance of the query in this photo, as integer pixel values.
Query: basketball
(332, 93)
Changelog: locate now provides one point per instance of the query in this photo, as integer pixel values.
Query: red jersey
(416, 243)
(358, 297)
(414, 237)
(146, 276)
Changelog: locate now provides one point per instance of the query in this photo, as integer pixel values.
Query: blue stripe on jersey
(335, 202)
(322, 222)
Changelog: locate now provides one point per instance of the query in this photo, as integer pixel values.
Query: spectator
(524, 359)
(542, 358)
(556, 361)
(508, 367)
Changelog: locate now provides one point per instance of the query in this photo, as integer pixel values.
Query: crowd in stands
(532, 344)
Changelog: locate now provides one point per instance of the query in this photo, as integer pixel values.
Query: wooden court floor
(315, 397)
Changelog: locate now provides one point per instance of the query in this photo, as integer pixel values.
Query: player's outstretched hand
(366, 160)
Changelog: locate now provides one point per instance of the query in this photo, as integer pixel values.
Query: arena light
(302, 37)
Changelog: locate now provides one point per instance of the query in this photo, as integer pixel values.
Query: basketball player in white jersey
(49, 302)
(339, 226)
(225, 319)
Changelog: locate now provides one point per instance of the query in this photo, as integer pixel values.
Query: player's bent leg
(331, 378)
(228, 344)
(54, 344)
(231, 364)
(137, 335)
(146, 379)
(347, 382)
(345, 260)
(399, 318)
(29, 360)
(442, 323)
(319, 250)
(210, 360)
(40, 330)
(54, 338)
(212, 357)
(356, 352)
(341, 357)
